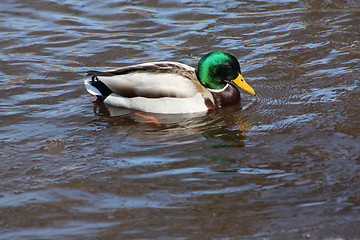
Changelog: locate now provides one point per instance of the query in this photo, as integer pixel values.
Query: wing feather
(152, 80)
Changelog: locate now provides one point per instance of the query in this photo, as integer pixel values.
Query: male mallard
(172, 87)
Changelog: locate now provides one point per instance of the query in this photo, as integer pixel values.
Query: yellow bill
(240, 81)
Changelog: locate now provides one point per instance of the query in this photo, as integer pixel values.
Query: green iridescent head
(218, 68)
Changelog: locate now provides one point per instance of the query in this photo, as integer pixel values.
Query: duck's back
(151, 80)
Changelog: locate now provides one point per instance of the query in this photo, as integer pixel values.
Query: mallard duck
(172, 87)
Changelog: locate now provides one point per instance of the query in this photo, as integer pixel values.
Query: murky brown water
(284, 166)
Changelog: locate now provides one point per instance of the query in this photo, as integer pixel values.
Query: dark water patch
(282, 165)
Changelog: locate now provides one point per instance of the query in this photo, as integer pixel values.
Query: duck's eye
(224, 69)
(228, 66)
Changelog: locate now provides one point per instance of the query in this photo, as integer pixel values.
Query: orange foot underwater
(149, 119)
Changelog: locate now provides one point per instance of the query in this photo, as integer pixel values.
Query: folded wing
(150, 80)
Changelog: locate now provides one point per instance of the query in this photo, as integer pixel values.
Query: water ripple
(73, 167)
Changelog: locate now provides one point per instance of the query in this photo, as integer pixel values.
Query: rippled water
(283, 165)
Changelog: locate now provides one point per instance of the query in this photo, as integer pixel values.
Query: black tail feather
(103, 89)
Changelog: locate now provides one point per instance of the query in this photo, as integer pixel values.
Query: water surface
(282, 165)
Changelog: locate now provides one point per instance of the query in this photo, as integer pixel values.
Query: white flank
(150, 84)
(165, 105)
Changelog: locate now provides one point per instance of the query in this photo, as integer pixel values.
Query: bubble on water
(54, 146)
